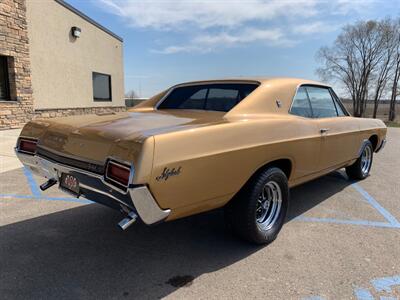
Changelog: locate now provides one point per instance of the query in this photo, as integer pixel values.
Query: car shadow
(79, 253)
(311, 194)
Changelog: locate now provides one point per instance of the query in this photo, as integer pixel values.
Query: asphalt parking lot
(341, 241)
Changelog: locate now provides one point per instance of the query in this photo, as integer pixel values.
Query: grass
(392, 124)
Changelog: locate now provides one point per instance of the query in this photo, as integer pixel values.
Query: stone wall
(65, 112)
(15, 45)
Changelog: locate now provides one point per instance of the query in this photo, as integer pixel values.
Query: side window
(301, 105)
(195, 101)
(222, 99)
(321, 102)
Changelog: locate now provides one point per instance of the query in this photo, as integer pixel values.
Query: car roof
(256, 79)
(264, 99)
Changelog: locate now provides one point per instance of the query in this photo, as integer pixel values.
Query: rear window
(215, 97)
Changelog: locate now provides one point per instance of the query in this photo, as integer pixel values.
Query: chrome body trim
(146, 206)
(94, 188)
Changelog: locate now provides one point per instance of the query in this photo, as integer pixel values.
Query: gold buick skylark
(235, 143)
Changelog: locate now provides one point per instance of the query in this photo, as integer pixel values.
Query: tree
(387, 30)
(131, 94)
(396, 73)
(354, 58)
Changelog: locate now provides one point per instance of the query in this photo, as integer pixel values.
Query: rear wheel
(258, 212)
(360, 169)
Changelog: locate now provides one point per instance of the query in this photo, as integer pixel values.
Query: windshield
(216, 96)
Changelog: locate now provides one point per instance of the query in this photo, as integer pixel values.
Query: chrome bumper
(94, 188)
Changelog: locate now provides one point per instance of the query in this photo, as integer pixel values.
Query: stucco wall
(62, 66)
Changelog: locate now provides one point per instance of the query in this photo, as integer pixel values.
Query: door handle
(324, 130)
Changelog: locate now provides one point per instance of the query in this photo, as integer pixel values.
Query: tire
(258, 211)
(360, 169)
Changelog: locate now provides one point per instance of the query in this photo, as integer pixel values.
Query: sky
(168, 42)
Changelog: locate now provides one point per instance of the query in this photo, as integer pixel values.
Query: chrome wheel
(269, 204)
(366, 160)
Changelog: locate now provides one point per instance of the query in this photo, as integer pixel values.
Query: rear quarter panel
(369, 127)
(216, 161)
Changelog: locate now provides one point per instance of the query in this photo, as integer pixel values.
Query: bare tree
(383, 71)
(131, 94)
(353, 59)
(396, 73)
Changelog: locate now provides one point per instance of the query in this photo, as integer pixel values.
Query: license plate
(69, 183)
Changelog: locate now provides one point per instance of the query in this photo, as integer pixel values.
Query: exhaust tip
(128, 221)
(48, 184)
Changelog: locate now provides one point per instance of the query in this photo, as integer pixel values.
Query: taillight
(118, 173)
(27, 146)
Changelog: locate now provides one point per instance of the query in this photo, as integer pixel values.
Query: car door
(306, 127)
(338, 131)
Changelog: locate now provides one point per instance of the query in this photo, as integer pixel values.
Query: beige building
(56, 61)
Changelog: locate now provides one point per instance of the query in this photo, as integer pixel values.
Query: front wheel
(258, 212)
(360, 169)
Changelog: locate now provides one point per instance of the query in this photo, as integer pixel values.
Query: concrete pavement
(340, 241)
(8, 160)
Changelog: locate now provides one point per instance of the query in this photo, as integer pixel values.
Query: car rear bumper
(93, 187)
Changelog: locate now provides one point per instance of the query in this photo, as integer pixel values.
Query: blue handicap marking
(384, 284)
(32, 183)
(390, 222)
(388, 216)
(36, 193)
(363, 294)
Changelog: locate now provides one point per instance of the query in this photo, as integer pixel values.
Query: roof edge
(88, 19)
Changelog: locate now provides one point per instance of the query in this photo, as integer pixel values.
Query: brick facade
(15, 45)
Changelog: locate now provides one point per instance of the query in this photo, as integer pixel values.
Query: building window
(101, 87)
(4, 79)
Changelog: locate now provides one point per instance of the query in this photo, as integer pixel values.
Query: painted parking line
(10, 196)
(392, 222)
(347, 222)
(37, 193)
(32, 183)
(388, 216)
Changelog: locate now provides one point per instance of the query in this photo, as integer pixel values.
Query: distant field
(383, 109)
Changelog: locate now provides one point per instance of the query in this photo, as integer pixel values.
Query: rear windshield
(217, 96)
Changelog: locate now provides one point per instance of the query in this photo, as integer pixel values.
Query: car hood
(96, 137)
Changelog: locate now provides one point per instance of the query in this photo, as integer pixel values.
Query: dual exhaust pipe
(123, 224)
